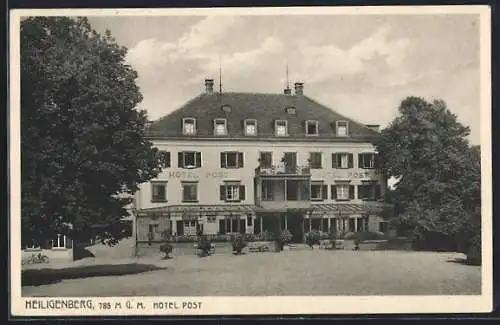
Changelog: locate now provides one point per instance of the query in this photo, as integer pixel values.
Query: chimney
(299, 88)
(209, 86)
(287, 91)
(373, 127)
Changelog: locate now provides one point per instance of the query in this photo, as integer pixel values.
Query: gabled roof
(266, 109)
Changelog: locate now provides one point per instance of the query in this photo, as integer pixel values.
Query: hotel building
(250, 162)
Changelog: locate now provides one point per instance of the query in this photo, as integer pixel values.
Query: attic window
(280, 128)
(226, 108)
(291, 110)
(342, 128)
(312, 127)
(220, 127)
(250, 127)
(189, 126)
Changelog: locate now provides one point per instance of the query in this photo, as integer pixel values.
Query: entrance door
(180, 227)
(294, 223)
(290, 161)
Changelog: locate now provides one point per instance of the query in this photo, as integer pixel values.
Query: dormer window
(312, 127)
(342, 128)
(189, 126)
(280, 128)
(250, 127)
(220, 127)
(291, 110)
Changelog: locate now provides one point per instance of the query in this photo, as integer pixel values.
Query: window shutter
(351, 158)
(351, 192)
(333, 189)
(325, 192)
(167, 159)
(223, 160)
(377, 192)
(223, 193)
(360, 160)
(334, 161)
(180, 162)
(240, 160)
(198, 159)
(242, 192)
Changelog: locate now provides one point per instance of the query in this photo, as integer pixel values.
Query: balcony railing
(282, 170)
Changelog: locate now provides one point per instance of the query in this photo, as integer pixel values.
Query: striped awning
(185, 210)
(345, 209)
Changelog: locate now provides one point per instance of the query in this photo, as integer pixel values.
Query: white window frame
(232, 192)
(237, 162)
(184, 153)
(57, 240)
(320, 191)
(276, 128)
(344, 155)
(220, 121)
(162, 183)
(342, 191)
(183, 184)
(254, 125)
(185, 121)
(372, 161)
(308, 122)
(337, 123)
(320, 160)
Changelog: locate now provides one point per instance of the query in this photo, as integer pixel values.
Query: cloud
(324, 62)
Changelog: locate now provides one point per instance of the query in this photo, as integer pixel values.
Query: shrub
(204, 245)
(365, 235)
(285, 237)
(474, 251)
(238, 242)
(250, 237)
(166, 248)
(312, 238)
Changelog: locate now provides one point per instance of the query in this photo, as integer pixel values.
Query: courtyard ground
(296, 272)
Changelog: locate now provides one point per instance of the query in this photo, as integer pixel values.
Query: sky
(361, 66)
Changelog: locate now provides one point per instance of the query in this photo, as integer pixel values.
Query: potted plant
(204, 245)
(166, 248)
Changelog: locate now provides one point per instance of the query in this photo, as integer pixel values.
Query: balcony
(282, 194)
(283, 170)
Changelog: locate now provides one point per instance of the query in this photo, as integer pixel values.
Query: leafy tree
(438, 174)
(82, 138)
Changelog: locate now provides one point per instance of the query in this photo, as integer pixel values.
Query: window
(220, 127)
(267, 190)
(369, 192)
(231, 159)
(211, 219)
(163, 158)
(59, 241)
(159, 191)
(266, 159)
(319, 192)
(232, 191)
(343, 192)
(312, 128)
(366, 160)
(315, 160)
(250, 127)
(189, 192)
(249, 221)
(342, 128)
(342, 160)
(280, 128)
(189, 126)
(189, 159)
(291, 110)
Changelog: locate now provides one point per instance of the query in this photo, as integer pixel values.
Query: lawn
(299, 272)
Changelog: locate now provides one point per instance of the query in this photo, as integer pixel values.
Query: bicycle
(36, 259)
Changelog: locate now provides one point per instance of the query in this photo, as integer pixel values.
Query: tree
(438, 183)
(82, 137)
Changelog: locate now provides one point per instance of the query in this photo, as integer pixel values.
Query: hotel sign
(196, 175)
